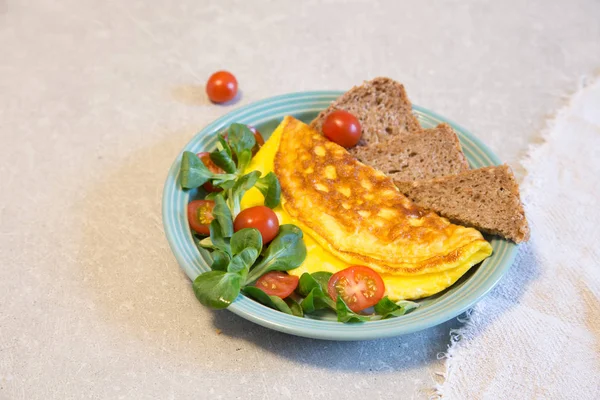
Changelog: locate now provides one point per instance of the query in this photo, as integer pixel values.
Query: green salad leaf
(346, 315)
(269, 301)
(241, 186)
(217, 289)
(387, 308)
(193, 172)
(287, 251)
(220, 260)
(227, 185)
(294, 306)
(244, 238)
(212, 196)
(224, 181)
(241, 262)
(243, 160)
(322, 277)
(245, 183)
(317, 300)
(224, 145)
(240, 139)
(223, 159)
(222, 214)
(206, 243)
(306, 283)
(270, 188)
(314, 288)
(217, 238)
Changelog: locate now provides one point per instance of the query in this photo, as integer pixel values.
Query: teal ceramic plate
(266, 115)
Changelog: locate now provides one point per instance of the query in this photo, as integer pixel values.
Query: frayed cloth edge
(460, 337)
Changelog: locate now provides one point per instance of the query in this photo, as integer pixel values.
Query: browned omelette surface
(356, 212)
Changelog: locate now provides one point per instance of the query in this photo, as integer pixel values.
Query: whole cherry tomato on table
(221, 87)
(342, 128)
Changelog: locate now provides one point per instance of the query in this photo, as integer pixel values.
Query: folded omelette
(353, 214)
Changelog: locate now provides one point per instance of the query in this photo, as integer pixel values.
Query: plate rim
(276, 320)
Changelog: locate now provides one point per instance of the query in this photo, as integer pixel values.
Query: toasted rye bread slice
(415, 156)
(486, 198)
(381, 106)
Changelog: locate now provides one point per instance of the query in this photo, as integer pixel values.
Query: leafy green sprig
(233, 155)
(240, 260)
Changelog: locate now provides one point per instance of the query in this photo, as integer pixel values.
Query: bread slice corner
(487, 199)
(381, 106)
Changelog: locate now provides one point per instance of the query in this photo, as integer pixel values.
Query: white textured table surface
(98, 97)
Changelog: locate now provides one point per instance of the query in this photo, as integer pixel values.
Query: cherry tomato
(276, 283)
(200, 215)
(221, 87)
(212, 167)
(359, 286)
(342, 128)
(261, 218)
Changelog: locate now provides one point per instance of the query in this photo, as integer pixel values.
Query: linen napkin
(537, 335)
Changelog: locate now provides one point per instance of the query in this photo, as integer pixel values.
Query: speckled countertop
(98, 97)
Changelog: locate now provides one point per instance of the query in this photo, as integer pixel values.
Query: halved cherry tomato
(360, 287)
(276, 283)
(200, 215)
(261, 218)
(221, 87)
(342, 128)
(212, 167)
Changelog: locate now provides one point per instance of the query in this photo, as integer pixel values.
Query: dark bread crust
(382, 107)
(486, 198)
